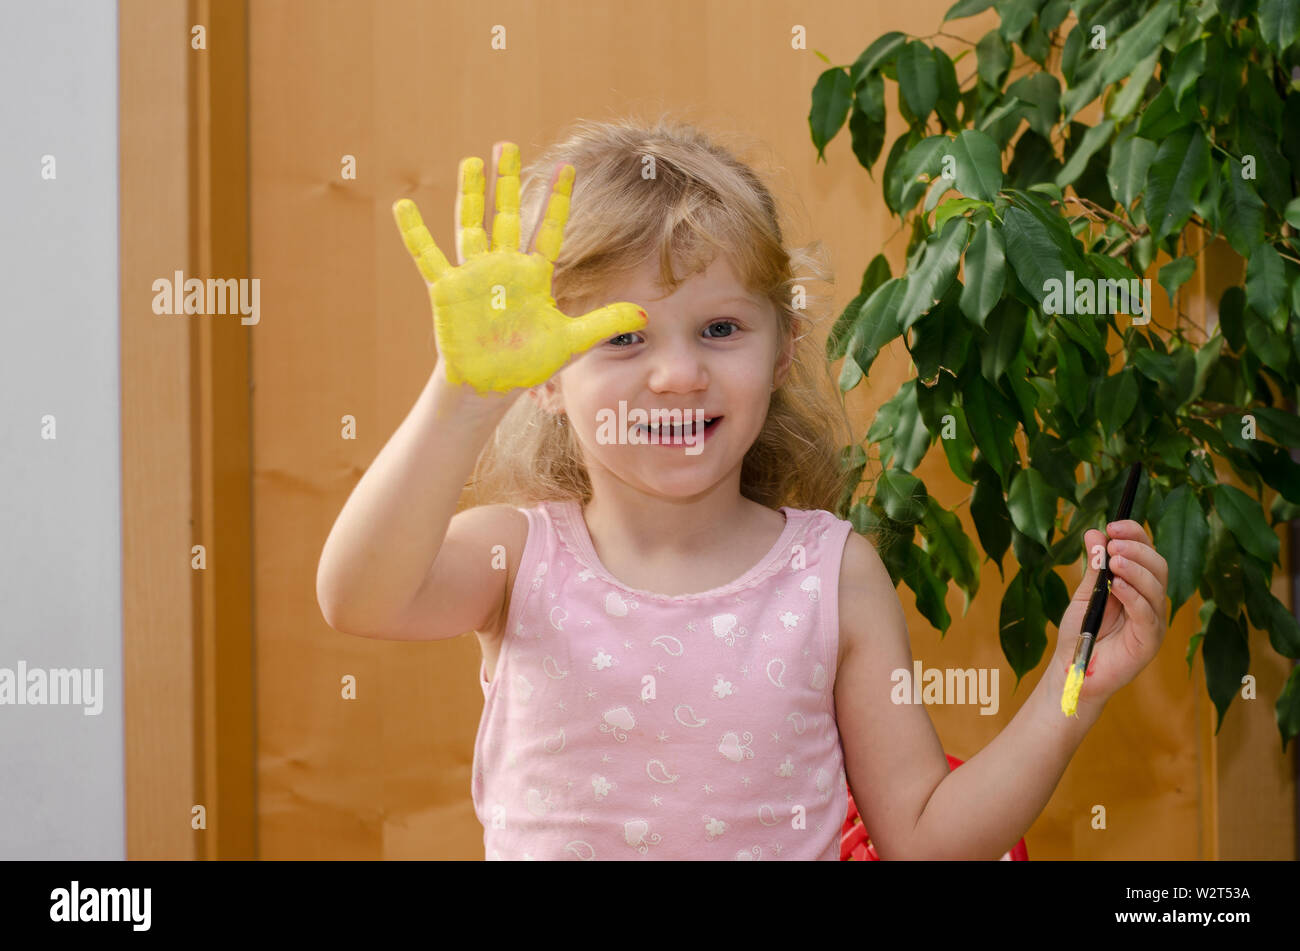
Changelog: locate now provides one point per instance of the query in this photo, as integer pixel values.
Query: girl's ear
(546, 396)
(785, 362)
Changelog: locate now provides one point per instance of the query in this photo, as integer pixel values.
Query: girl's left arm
(980, 809)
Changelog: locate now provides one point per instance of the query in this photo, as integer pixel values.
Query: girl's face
(711, 347)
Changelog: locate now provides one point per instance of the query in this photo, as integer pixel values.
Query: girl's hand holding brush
(1133, 625)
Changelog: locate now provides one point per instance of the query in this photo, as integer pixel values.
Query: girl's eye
(614, 341)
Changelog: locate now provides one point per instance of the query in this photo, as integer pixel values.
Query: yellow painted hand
(496, 323)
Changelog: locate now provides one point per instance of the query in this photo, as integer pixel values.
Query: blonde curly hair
(701, 201)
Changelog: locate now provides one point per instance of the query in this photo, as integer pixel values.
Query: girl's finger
(1138, 578)
(1142, 554)
(1137, 606)
(1126, 528)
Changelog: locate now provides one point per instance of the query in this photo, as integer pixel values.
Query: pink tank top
(624, 724)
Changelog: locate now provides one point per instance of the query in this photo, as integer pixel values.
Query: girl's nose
(677, 366)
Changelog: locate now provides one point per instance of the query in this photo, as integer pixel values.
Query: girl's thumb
(1094, 550)
(603, 323)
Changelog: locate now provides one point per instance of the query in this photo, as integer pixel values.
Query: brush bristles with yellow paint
(1096, 607)
(1073, 684)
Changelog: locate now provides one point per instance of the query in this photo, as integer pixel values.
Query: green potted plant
(1058, 223)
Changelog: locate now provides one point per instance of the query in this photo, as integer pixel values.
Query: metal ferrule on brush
(1092, 617)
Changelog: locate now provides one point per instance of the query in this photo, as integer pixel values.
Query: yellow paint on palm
(1070, 696)
(496, 323)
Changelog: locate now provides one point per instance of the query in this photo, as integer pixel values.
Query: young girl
(686, 654)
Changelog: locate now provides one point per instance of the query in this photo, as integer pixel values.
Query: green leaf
(979, 166)
(876, 274)
(1117, 397)
(878, 54)
(988, 509)
(1178, 172)
(1003, 120)
(1226, 652)
(1232, 305)
(1032, 503)
(1161, 117)
(986, 273)
(1187, 68)
(1245, 519)
(1274, 182)
(911, 438)
(1005, 326)
(950, 548)
(1266, 344)
(1207, 359)
(936, 272)
(1071, 381)
(918, 78)
(1137, 43)
(1127, 99)
(919, 575)
(956, 206)
(902, 495)
(1175, 274)
(877, 323)
(1279, 426)
(1279, 24)
(867, 121)
(1283, 629)
(1277, 468)
(949, 92)
(831, 99)
(966, 8)
(1130, 157)
(1292, 213)
(1022, 625)
(1266, 286)
(1092, 140)
(850, 375)
(901, 184)
(1036, 257)
(959, 447)
(940, 340)
(1241, 211)
(1216, 90)
(1287, 708)
(1042, 91)
(993, 424)
(1223, 572)
(993, 58)
(1181, 535)
(1016, 15)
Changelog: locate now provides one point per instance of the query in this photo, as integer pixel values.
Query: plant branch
(1098, 210)
(1132, 239)
(1223, 410)
(951, 36)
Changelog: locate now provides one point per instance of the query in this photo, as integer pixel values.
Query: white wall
(61, 772)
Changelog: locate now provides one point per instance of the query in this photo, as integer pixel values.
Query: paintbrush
(1096, 606)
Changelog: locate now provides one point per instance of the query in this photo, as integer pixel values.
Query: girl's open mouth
(674, 435)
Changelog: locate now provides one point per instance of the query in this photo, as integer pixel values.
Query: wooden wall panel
(409, 88)
(188, 650)
(162, 739)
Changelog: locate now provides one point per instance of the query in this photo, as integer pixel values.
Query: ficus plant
(1040, 371)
